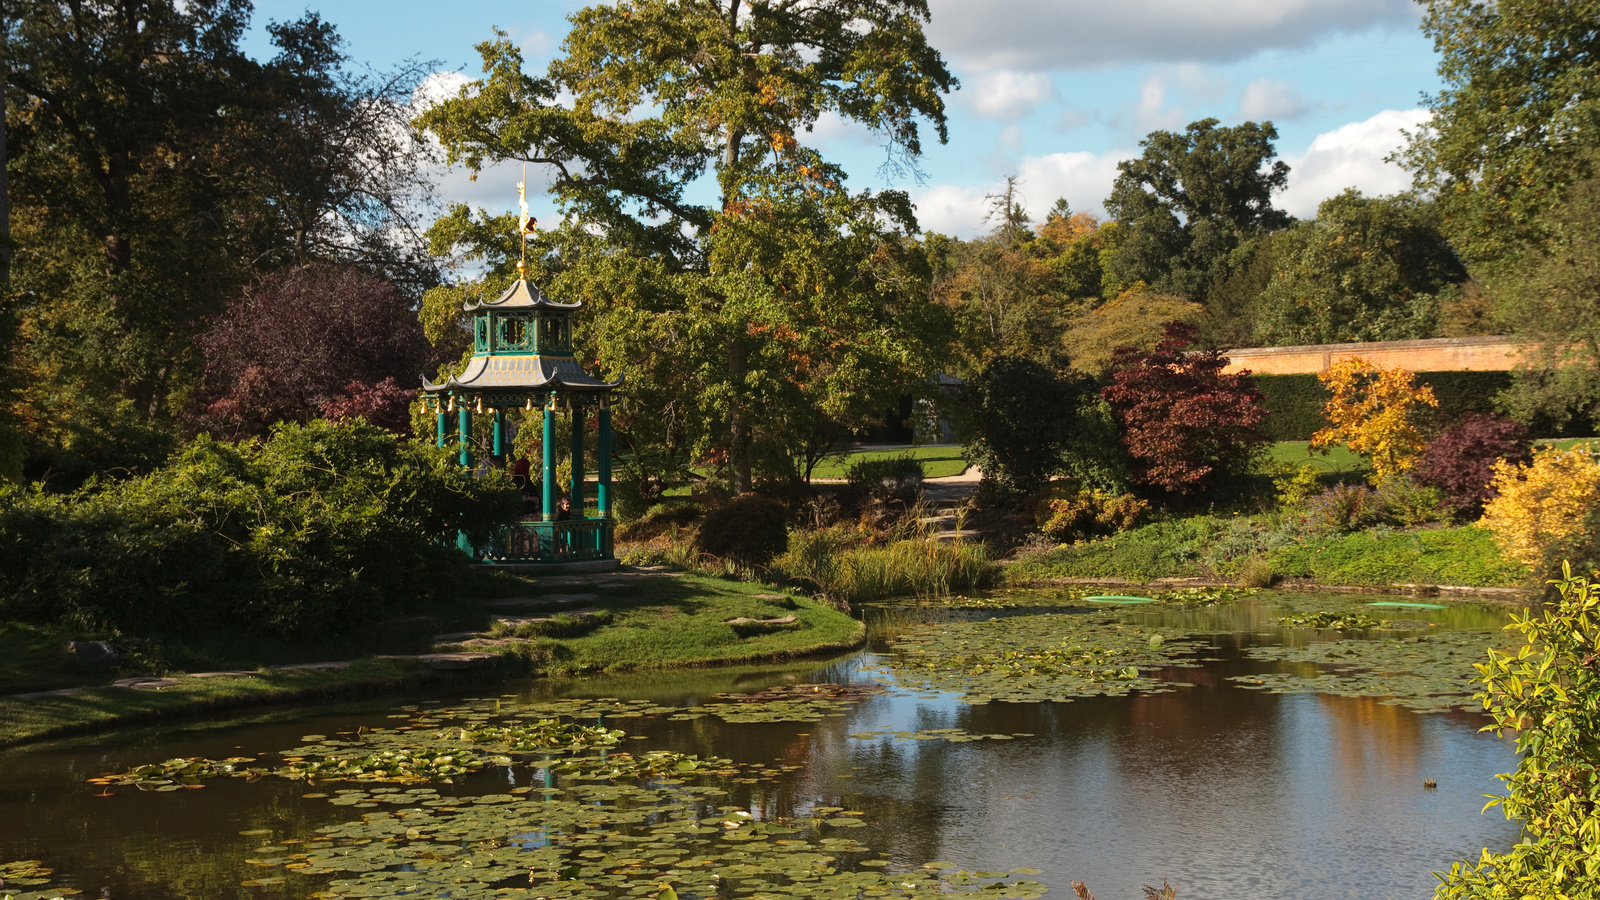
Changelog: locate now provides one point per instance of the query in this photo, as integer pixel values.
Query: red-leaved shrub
(309, 342)
(1184, 422)
(1460, 461)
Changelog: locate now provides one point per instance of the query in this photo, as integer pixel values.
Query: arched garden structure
(522, 360)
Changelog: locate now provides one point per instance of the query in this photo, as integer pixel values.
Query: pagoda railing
(573, 540)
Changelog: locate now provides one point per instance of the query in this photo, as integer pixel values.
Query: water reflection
(1225, 791)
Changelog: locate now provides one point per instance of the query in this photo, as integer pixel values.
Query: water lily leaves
(1031, 659)
(790, 703)
(953, 735)
(1346, 621)
(1427, 673)
(29, 879)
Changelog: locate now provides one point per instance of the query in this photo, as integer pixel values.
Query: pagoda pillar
(603, 490)
(439, 433)
(548, 480)
(499, 435)
(576, 493)
(464, 435)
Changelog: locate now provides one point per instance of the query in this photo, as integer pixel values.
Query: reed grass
(919, 567)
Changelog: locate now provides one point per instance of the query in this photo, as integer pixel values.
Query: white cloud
(1008, 96)
(834, 129)
(1082, 34)
(1151, 112)
(1279, 101)
(1084, 179)
(1350, 156)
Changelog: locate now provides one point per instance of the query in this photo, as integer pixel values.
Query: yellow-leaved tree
(1373, 410)
(1542, 505)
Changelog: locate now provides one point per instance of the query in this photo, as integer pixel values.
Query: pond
(1242, 748)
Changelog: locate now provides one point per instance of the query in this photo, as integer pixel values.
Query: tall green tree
(1517, 117)
(1191, 201)
(1005, 297)
(1367, 269)
(1546, 293)
(785, 296)
(157, 169)
(1509, 152)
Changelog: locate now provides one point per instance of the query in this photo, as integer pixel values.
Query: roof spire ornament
(526, 223)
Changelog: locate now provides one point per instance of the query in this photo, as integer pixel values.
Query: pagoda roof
(522, 373)
(522, 294)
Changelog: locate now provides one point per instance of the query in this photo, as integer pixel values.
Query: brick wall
(1468, 354)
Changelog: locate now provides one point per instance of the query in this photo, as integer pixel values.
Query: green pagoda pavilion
(522, 359)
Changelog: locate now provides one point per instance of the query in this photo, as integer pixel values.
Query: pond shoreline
(637, 620)
(1506, 595)
(31, 718)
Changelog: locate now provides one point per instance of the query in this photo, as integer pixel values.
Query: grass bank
(657, 622)
(1255, 548)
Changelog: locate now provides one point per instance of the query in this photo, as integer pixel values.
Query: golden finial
(526, 223)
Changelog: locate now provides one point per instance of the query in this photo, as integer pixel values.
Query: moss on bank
(657, 622)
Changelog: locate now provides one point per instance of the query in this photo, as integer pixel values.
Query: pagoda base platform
(576, 567)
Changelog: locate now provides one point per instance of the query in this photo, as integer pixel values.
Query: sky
(1055, 92)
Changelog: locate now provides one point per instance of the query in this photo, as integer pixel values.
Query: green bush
(1168, 549)
(661, 518)
(1020, 423)
(318, 528)
(1547, 692)
(893, 478)
(746, 530)
(1072, 515)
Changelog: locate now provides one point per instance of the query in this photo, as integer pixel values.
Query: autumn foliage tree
(1544, 504)
(308, 343)
(1185, 423)
(1374, 410)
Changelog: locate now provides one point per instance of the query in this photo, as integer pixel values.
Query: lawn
(1338, 460)
(938, 460)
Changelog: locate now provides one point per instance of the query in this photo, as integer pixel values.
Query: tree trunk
(5, 187)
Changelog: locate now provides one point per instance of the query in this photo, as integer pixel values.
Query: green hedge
(1294, 402)
(316, 529)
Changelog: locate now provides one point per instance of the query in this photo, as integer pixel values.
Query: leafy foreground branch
(1548, 692)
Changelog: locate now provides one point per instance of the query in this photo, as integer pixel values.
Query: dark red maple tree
(328, 341)
(1184, 422)
(1460, 460)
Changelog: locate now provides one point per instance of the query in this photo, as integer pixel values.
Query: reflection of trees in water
(183, 846)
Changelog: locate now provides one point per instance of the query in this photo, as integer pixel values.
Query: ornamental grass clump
(1067, 516)
(892, 479)
(836, 563)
